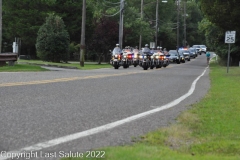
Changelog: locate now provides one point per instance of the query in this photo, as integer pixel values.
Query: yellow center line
(67, 79)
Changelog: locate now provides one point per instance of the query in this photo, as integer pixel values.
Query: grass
(210, 130)
(87, 65)
(21, 68)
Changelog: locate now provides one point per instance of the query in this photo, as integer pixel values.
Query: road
(37, 107)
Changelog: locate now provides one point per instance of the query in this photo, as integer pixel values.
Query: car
(193, 52)
(185, 53)
(197, 47)
(174, 56)
(203, 49)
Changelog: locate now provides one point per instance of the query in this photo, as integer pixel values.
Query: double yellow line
(65, 79)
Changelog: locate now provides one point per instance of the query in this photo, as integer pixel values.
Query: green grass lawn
(87, 65)
(21, 68)
(209, 131)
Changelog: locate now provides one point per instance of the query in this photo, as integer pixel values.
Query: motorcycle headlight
(115, 56)
(141, 57)
(151, 56)
(124, 56)
(157, 57)
(164, 57)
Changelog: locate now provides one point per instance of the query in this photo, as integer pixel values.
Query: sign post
(229, 38)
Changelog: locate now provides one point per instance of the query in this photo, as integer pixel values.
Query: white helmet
(146, 45)
(117, 44)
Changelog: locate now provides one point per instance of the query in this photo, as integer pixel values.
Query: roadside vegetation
(21, 68)
(210, 130)
(35, 65)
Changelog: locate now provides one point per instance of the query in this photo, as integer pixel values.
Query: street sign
(152, 44)
(230, 36)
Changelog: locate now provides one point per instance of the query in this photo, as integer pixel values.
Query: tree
(223, 16)
(53, 40)
(22, 18)
(105, 37)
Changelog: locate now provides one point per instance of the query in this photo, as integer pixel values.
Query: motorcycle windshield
(146, 50)
(135, 51)
(116, 51)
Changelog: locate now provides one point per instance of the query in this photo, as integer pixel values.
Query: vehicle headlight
(151, 56)
(157, 57)
(164, 57)
(124, 56)
(141, 57)
(115, 56)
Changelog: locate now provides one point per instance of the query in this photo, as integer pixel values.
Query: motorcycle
(136, 55)
(126, 58)
(157, 59)
(145, 59)
(116, 58)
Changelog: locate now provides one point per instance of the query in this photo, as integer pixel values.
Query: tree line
(25, 18)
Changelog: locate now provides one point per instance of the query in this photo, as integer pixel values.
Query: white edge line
(71, 137)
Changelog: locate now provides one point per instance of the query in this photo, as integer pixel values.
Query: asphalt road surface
(61, 112)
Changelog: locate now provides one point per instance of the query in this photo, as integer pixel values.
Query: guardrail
(8, 57)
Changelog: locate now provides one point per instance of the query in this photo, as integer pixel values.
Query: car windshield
(203, 46)
(196, 46)
(173, 54)
(192, 49)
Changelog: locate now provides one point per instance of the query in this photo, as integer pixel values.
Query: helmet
(146, 45)
(158, 47)
(136, 47)
(117, 45)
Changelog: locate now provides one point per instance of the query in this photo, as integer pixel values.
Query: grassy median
(209, 131)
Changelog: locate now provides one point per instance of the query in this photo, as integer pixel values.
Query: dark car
(182, 57)
(174, 56)
(193, 52)
(185, 53)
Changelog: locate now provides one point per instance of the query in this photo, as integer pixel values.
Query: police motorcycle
(136, 55)
(145, 58)
(157, 59)
(127, 57)
(116, 57)
(166, 58)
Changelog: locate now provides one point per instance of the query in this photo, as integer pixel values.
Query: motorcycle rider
(146, 49)
(116, 50)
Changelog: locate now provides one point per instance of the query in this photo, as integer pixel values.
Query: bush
(53, 40)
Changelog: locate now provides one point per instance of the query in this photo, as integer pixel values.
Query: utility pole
(0, 26)
(156, 25)
(178, 24)
(121, 23)
(140, 38)
(82, 45)
(185, 32)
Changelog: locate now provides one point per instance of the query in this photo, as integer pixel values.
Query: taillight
(129, 56)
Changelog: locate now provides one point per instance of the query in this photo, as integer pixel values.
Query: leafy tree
(53, 40)
(22, 19)
(224, 17)
(105, 37)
